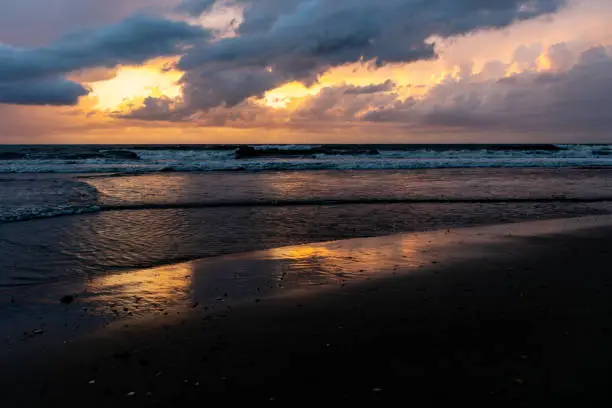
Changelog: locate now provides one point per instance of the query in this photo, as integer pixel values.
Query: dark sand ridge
(515, 315)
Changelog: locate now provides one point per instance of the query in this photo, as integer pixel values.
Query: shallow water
(132, 222)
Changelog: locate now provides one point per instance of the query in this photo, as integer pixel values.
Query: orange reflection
(140, 291)
(350, 260)
(303, 252)
(265, 273)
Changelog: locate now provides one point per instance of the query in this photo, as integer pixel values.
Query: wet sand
(516, 315)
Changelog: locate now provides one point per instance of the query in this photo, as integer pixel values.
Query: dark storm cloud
(131, 41)
(227, 87)
(370, 89)
(311, 35)
(160, 109)
(42, 92)
(574, 100)
(279, 40)
(299, 39)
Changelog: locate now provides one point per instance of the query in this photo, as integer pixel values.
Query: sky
(305, 71)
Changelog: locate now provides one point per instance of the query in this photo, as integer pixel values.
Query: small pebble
(67, 299)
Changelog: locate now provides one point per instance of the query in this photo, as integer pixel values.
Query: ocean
(74, 212)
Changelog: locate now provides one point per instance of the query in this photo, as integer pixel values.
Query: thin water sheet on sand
(34, 316)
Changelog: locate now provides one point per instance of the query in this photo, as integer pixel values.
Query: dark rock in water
(167, 170)
(248, 152)
(245, 152)
(188, 147)
(67, 299)
(121, 154)
(12, 156)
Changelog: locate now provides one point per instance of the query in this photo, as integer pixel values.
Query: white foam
(220, 160)
(25, 199)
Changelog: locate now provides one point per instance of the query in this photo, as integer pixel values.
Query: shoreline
(98, 208)
(509, 313)
(129, 296)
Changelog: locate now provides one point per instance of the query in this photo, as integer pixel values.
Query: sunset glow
(283, 96)
(275, 201)
(223, 65)
(133, 84)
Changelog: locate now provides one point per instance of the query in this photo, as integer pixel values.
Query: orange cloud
(285, 114)
(132, 84)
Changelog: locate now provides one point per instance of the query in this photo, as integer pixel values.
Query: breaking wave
(256, 158)
(23, 199)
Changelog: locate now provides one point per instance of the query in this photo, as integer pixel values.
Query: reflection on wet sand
(320, 264)
(219, 281)
(214, 281)
(140, 292)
